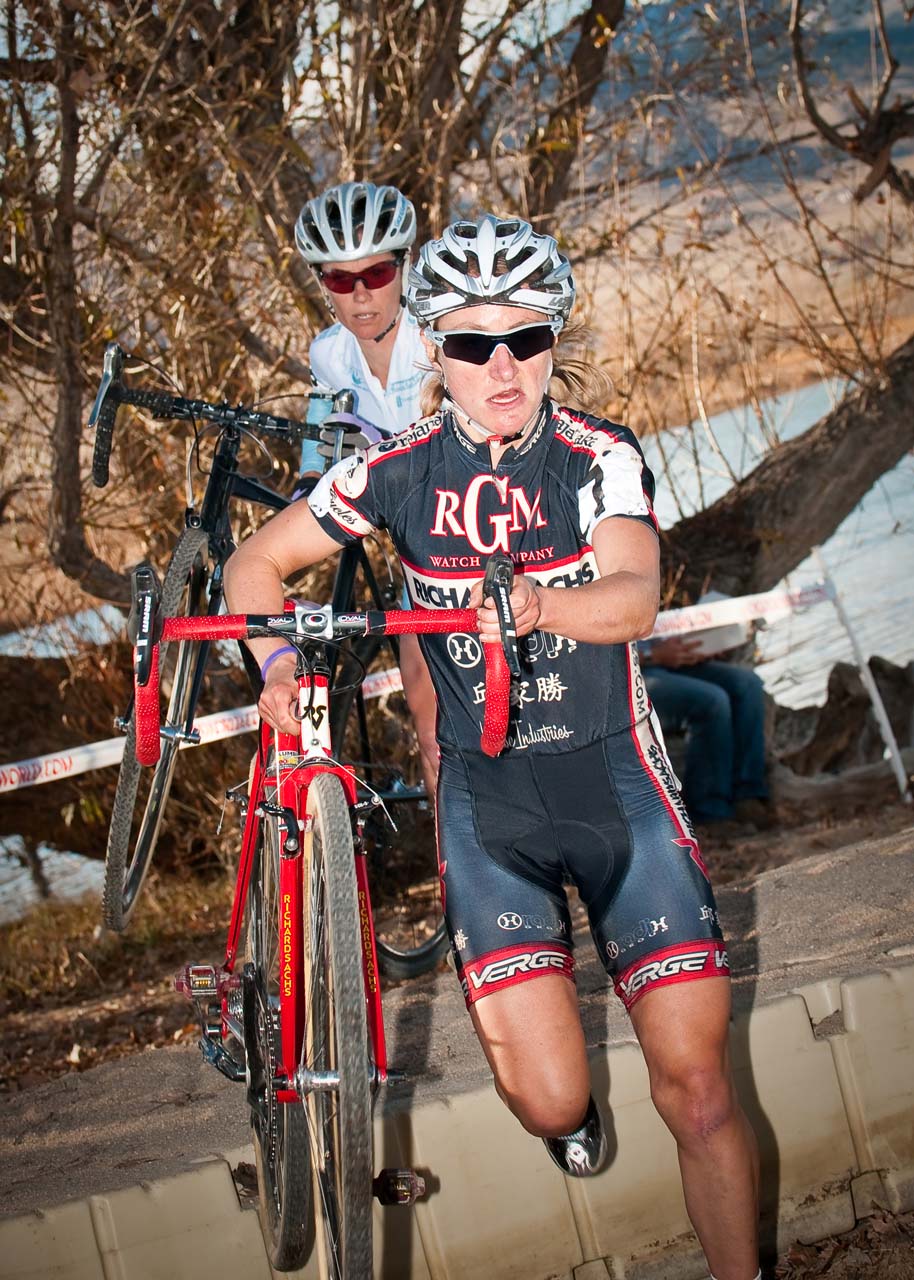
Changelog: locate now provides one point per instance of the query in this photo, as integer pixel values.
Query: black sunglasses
(476, 347)
(375, 277)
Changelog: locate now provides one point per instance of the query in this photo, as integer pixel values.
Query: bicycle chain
(264, 1048)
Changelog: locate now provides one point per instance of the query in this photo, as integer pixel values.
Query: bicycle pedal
(398, 1186)
(204, 982)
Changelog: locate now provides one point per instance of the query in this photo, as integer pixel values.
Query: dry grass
(73, 996)
(59, 953)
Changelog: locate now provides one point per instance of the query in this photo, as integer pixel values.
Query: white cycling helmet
(355, 220)
(495, 260)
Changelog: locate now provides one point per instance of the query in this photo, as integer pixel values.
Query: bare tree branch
(880, 127)
(765, 526)
(66, 535)
(109, 152)
(27, 70)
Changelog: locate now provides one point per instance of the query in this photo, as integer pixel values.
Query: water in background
(870, 556)
(65, 635)
(69, 876)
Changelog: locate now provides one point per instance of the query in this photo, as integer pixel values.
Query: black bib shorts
(609, 819)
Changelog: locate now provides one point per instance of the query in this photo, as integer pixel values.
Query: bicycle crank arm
(222, 1060)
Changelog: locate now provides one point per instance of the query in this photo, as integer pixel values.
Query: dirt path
(74, 997)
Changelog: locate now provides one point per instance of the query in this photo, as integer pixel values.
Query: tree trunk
(556, 152)
(66, 534)
(798, 495)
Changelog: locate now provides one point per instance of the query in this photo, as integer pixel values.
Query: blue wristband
(310, 459)
(271, 658)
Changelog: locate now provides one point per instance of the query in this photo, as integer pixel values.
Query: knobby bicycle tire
(135, 823)
(403, 870)
(280, 1130)
(336, 1040)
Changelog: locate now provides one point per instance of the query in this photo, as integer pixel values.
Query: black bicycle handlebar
(104, 412)
(112, 393)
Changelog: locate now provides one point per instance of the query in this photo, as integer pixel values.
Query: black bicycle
(372, 733)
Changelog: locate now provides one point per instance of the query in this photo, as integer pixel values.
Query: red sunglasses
(375, 277)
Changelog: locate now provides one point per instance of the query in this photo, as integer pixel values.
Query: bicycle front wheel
(399, 837)
(141, 794)
(281, 1147)
(336, 1059)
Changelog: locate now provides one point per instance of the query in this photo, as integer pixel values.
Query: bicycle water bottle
(320, 403)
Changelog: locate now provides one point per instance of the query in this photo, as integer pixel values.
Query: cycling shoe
(583, 1153)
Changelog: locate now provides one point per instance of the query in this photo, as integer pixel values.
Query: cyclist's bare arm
(254, 578)
(620, 606)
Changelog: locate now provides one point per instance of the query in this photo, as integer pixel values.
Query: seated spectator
(720, 707)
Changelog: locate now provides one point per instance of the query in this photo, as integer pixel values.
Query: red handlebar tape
(146, 708)
(398, 622)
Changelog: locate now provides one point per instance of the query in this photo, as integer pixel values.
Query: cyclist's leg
(683, 1032)
(510, 930)
(532, 1037)
(423, 705)
(660, 941)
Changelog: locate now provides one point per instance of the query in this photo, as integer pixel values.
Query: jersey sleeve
(320, 360)
(348, 501)
(618, 482)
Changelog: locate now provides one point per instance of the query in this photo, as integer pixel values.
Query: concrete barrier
(822, 1047)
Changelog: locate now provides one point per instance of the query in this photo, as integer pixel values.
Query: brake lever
(497, 584)
(112, 367)
(144, 622)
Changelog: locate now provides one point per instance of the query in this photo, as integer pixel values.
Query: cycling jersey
(541, 505)
(583, 788)
(337, 361)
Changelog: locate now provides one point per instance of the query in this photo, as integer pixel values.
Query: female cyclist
(583, 788)
(356, 237)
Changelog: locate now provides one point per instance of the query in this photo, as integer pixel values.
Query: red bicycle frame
(294, 765)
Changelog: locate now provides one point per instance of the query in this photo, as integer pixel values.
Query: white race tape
(769, 605)
(62, 764)
(228, 724)
(377, 683)
(99, 755)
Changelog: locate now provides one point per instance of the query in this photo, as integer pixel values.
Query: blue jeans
(721, 708)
